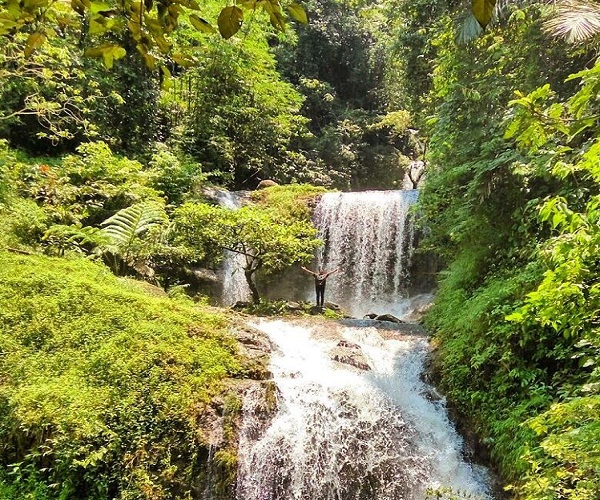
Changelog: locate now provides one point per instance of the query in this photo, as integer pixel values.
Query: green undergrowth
(520, 389)
(287, 308)
(103, 388)
(293, 200)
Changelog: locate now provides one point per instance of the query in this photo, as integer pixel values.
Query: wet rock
(333, 306)
(204, 275)
(256, 349)
(420, 306)
(240, 304)
(349, 353)
(315, 310)
(348, 344)
(388, 317)
(294, 306)
(383, 317)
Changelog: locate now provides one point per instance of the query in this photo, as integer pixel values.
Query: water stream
(368, 427)
(347, 434)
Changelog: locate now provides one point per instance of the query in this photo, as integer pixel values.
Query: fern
(129, 226)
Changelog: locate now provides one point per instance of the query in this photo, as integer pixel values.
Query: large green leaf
(298, 13)
(34, 41)
(277, 20)
(483, 10)
(108, 52)
(230, 21)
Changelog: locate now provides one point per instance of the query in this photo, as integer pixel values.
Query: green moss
(103, 386)
(295, 200)
(270, 396)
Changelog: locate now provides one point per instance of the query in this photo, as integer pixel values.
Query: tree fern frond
(574, 21)
(468, 29)
(131, 223)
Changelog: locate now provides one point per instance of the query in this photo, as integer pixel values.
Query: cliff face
(223, 418)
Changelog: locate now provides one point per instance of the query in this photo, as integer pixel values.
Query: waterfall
(235, 288)
(369, 237)
(348, 434)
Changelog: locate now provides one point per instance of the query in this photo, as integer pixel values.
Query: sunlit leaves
(483, 10)
(148, 22)
(108, 52)
(201, 25)
(230, 21)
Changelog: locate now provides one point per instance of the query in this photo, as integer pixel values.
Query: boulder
(266, 183)
(240, 304)
(351, 354)
(388, 317)
(348, 344)
(202, 274)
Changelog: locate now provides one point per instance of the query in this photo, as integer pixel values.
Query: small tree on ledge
(267, 240)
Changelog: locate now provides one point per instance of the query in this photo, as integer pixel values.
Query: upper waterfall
(369, 236)
(235, 287)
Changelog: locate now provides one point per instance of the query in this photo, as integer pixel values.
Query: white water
(345, 434)
(235, 288)
(369, 236)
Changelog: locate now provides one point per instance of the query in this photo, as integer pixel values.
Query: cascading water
(347, 434)
(235, 288)
(369, 237)
(354, 420)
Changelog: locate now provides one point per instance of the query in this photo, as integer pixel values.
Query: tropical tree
(268, 241)
(237, 117)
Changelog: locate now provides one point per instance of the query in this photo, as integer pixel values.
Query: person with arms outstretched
(320, 280)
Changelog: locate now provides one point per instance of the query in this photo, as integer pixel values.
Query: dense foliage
(268, 240)
(511, 204)
(363, 94)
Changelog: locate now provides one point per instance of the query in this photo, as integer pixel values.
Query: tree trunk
(253, 290)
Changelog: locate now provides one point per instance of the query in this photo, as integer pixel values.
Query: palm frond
(574, 21)
(468, 28)
(132, 222)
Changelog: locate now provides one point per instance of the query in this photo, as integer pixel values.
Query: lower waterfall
(343, 433)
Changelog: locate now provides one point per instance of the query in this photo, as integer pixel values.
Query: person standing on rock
(320, 280)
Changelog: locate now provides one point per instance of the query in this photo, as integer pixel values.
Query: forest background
(109, 139)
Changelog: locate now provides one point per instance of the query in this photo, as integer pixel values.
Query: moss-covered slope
(105, 390)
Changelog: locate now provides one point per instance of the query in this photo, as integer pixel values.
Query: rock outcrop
(351, 354)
